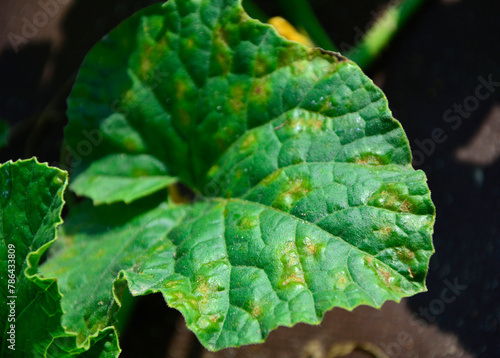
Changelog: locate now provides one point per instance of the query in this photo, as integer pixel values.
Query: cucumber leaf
(31, 201)
(306, 198)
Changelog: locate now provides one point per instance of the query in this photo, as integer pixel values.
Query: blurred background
(441, 75)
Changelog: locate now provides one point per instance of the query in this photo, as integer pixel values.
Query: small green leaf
(307, 197)
(122, 177)
(31, 200)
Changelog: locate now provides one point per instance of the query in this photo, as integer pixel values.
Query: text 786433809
(11, 298)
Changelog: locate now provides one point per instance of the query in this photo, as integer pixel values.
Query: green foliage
(305, 195)
(121, 177)
(30, 203)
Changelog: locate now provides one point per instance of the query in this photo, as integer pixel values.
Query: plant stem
(254, 11)
(382, 32)
(300, 13)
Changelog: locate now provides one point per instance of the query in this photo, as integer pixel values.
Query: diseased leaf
(257, 268)
(31, 202)
(307, 197)
(121, 177)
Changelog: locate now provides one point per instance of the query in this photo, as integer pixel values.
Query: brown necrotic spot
(404, 254)
(393, 196)
(385, 231)
(256, 310)
(369, 159)
(311, 248)
(384, 275)
(405, 206)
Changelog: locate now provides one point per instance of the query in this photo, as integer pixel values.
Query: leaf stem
(300, 13)
(382, 32)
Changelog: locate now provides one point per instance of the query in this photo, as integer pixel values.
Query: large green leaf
(307, 197)
(31, 203)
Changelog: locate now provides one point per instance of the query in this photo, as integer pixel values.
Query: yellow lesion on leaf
(404, 254)
(387, 277)
(189, 43)
(247, 223)
(341, 280)
(383, 233)
(222, 50)
(386, 230)
(209, 322)
(130, 145)
(292, 269)
(224, 60)
(393, 197)
(311, 248)
(258, 89)
(256, 310)
(180, 89)
(271, 178)
(296, 190)
(369, 159)
(237, 98)
(202, 288)
(213, 170)
(405, 207)
(249, 141)
(295, 277)
(383, 274)
(305, 121)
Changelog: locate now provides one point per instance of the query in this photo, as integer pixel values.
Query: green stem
(382, 32)
(300, 13)
(254, 11)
